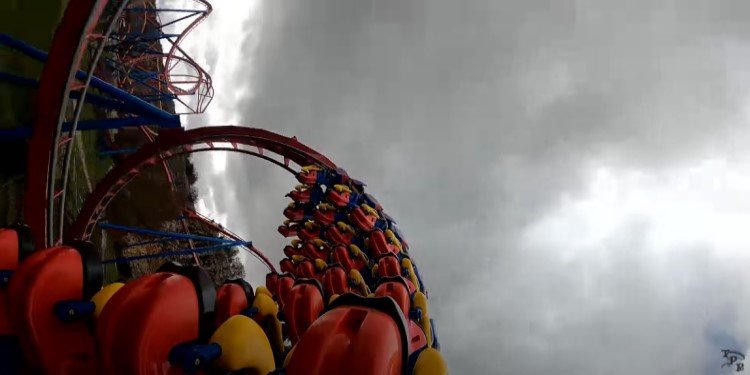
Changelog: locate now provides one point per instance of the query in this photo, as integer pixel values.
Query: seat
(343, 256)
(380, 246)
(389, 265)
(335, 281)
(396, 288)
(233, 297)
(356, 335)
(152, 315)
(61, 276)
(364, 217)
(16, 244)
(283, 286)
(302, 306)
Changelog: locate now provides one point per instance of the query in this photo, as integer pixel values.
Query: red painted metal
(149, 135)
(148, 155)
(283, 285)
(417, 338)
(389, 266)
(397, 289)
(335, 280)
(342, 256)
(231, 300)
(252, 249)
(301, 307)
(63, 61)
(350, 340)
(51, 345)
(9, 258)
(144, 320)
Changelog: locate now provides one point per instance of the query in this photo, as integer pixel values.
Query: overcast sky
(572, 176)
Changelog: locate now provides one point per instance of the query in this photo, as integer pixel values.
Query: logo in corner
(733, 359)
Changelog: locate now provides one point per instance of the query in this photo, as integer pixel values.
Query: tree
(221, 265)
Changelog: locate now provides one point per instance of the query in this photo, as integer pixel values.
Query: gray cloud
(473, 121)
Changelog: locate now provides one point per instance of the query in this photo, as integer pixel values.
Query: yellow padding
(320, 264)
(267, 318)
(359, 282)
(326, 207)
(333, 298)
(369, 210)
(356, 252)
(406, 263)
(310, 168)
(345, 227)
(102, 297)
(263, 290)
(244, 346)
(420, 301)
(342, 188)
(430, 362)
(393, 239)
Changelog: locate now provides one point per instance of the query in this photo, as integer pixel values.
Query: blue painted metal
(166, 254)
(5, 276)
(144, 9)
(151, 242)
(23, 47)
(192, 357)
(72, 310)
(13, 134)
(103, 102)
(138, 106)
(250, 311)
(18, 80)
(110, 123)
(118, 151)
(94, 99)
(102, 124)
(151, 36)
(435, 340)
(11, 355)
(419, 277)
(159, 233)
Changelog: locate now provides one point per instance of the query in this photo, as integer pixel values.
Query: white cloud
(571, 176)
(221, 43)
(640, 269)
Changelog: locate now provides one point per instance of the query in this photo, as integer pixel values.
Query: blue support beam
(137, 105)
(159, 233)
(94, 99)
(153, 10)
(160, 240)
(118, 151)
(165, 254)
(102, 124)
(18, 80)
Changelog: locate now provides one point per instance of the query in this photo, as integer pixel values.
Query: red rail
(178, 142)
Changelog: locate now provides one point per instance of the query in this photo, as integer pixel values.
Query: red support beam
(64, 58)
(148, 155)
